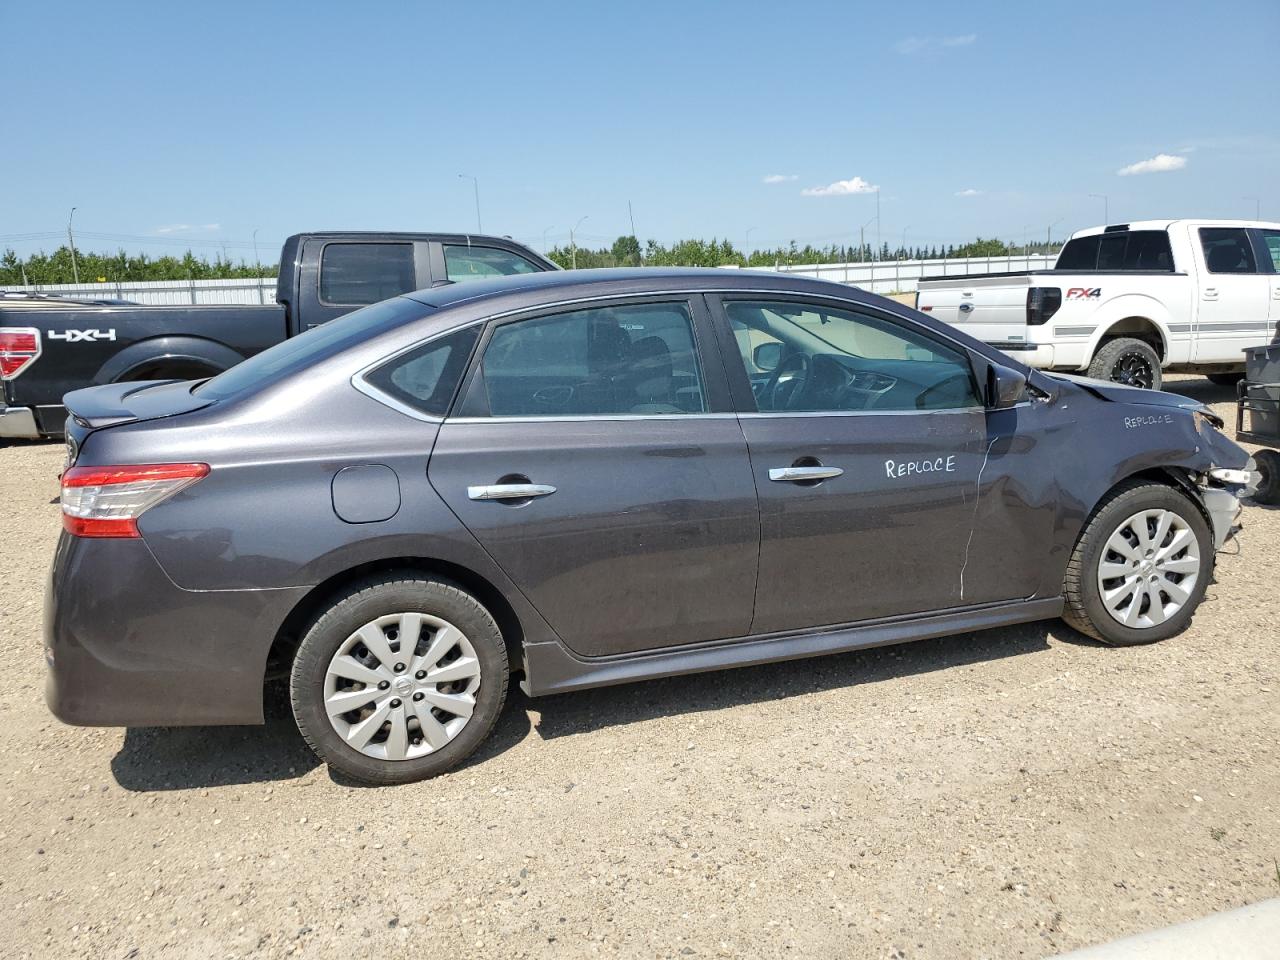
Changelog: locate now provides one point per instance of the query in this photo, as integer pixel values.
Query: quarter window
(803, 357)
(476, 263)
(426, 377)
(360, 273)
(636, 359)
(1227, 250)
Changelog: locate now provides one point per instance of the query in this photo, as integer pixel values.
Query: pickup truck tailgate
(992, 309)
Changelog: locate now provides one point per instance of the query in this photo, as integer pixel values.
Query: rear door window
(465, 262)
(1272, 240)
(353, 274)
(632, 359)
(1227, 250)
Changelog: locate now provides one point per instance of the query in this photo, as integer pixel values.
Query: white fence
(900, 276)
(252, 290)
(885, 276)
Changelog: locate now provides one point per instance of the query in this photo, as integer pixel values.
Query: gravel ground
(1016, 792)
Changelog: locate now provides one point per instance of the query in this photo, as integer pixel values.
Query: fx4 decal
(83, 336)
(1084, 293)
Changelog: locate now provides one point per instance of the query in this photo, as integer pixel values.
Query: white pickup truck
(1127, 301)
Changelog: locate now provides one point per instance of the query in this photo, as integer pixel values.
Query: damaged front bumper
(1222, 499)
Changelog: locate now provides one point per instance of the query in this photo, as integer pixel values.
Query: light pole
(257, 260)
(877, 223)
(475, 183)
(544, 239)
(1048, 232)
(1106, 216)
(1257, 207)
(862, 238)
(71, 241)
(573, 247)
(746, 247)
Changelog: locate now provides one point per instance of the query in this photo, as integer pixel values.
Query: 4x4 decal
(83, 336)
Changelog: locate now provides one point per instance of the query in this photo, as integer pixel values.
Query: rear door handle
(804, 473)
(510, 491)
(1211, 293)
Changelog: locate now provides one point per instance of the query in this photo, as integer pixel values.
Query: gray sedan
(586, 478)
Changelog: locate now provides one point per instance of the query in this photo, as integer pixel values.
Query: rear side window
(478, 263)
(360, 273)
(636, 359)
(1227, 250)
(1119, 251)
(426, 377)
(1272, 239)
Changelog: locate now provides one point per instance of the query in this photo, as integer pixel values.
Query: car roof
(566, 284)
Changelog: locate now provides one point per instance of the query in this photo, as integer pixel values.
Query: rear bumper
(18, 422)
(124, 646)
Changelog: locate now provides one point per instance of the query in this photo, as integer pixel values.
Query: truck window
(1227, 250)
(465, 262)
(1128, 250)
(1272, 239)
(354, 274)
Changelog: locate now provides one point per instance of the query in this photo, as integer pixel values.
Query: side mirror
(1005, 387)
(767, 356)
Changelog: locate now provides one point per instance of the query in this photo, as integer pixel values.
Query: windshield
(315, 344)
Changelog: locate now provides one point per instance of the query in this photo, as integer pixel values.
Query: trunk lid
(94, 408)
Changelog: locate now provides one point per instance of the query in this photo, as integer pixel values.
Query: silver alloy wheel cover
(1148, 569)
(411, 716)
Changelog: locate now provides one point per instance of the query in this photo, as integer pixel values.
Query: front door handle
(510, 491)
(1211, 293)
(804, 473)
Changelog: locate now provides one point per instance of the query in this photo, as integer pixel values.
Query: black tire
(364, 602)
(1084, 607)
(1225, 379)
(1268, 464)
(1126, 360)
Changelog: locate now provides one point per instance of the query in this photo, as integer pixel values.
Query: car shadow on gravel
(572, 713)
(180, 758)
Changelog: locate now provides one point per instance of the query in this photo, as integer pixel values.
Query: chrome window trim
(363, 386)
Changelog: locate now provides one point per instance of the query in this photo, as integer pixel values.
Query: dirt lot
(1011, 793)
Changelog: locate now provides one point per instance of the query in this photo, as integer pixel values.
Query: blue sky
(206, 122)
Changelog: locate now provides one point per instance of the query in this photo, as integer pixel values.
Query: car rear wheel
(1126, 360)
(400, 679)
(1141, 566)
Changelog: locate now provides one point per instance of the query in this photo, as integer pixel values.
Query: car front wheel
(1141, 566)
(400, 679)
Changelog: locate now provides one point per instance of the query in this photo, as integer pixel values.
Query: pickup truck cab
(1128, 301)
(50, 346)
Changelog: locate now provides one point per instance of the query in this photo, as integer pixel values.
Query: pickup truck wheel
(1268, 464)
(1141, 566)
(1126, 360)
(399, 680)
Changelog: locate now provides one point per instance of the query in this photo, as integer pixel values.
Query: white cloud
(1160, 163)
(912, 45)
(779, 178)
(969, 193)
(840, 188)
(185, 227)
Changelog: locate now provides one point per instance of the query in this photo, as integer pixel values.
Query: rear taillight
(19, 348)
(1042, 303)
(107, 501)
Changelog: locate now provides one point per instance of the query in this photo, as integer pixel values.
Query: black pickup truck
(49, 346)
